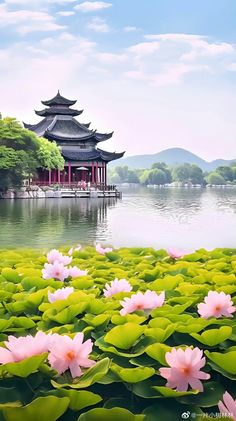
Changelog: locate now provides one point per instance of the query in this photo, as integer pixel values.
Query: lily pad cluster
(124, 383)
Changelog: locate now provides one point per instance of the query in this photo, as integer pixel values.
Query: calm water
(184, 218)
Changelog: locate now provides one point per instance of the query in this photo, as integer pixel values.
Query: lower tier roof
(96, 154)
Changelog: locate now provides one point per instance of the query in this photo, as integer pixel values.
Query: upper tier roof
(61, 110)
(59, 100)
(64, 128)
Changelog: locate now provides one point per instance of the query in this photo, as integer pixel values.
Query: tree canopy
(22, 153)
(161, 174)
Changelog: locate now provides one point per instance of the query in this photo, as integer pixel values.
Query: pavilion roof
(77, 154)
(63, 128)
(59, 100)
(62, 110)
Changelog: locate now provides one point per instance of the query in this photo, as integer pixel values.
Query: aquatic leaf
(11, 275)
(225, 361)
(124, 336)
(158, 352)
(170, 393)
(48, 408)
(103, 414)
(25, 367)
(79, 399)
(212, 337)
(133, 375)
(91, 376)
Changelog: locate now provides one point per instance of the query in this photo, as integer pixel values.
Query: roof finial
(58, 92)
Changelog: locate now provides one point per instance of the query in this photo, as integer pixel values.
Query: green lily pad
(49, 408)
(103, 414)
(124, 336)
(213, 337)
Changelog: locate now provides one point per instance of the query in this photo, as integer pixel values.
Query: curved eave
(48, 112)
(51, 136)
(100, 137)
(110, 156)
(29, 126)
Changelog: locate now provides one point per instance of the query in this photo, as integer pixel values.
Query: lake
(162, 218)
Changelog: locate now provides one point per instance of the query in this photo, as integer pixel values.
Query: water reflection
(37, 223)
(185, 218)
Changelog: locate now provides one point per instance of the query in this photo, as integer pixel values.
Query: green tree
(162, 166)
(154, 176)
(196, 175)
(215, 178)
(182, 173)
(185, 173)
(226, 172)
(22, 153)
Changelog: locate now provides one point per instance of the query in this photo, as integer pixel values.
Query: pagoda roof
(64, 128)
(77, 154)
(59, 100)
(62, 110)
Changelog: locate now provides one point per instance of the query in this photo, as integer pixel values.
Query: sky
(160, 73)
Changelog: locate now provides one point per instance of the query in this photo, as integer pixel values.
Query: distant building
(84, 161)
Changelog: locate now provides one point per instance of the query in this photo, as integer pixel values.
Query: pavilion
(84, 161)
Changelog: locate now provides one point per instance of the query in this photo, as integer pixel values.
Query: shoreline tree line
(161, 174)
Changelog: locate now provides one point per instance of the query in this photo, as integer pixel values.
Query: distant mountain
(171, 157)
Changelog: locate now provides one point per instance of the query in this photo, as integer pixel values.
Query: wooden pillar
(50, 177)
(96, 173)
(92, 173)
(59, 176)
(69, 174)
(105, 174)
(54, 176)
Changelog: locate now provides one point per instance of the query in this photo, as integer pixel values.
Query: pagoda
(84, 161)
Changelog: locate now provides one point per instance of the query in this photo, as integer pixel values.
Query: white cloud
(89, 6)
(65, 13)
(98, 25)
(171, 75)
(130, 28)
(200, 44)
(37, 3)
(144, 48)
(66, 36)
(110, 58)
(25, 21)
(165, 59)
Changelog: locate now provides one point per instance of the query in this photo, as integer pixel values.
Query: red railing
(72, 186)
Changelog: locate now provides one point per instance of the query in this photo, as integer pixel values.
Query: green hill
(172, 157)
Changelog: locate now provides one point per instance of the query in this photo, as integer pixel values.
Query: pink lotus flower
(102, 250)
(60, 294)
(117, 286)
(56, 270)
(184, 369)
(67, 353)
(75, 272)
(56, 256)
(72, 249)
(18, 349)
(216, 304)
(228, 406)
(147, 301)
(175, 254)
